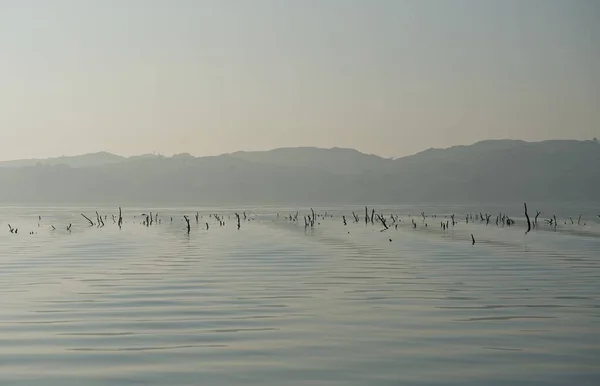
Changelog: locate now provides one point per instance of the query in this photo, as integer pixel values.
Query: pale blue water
(275, 304)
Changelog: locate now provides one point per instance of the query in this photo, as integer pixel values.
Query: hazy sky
(389, 77)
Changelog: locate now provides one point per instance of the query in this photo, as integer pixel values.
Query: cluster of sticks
(502, 219)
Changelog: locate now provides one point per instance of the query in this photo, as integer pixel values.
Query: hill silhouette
(488, 171)
(91, 159)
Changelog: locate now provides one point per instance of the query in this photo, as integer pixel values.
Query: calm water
(275, 304)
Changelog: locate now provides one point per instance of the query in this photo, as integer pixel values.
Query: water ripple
(273, 303)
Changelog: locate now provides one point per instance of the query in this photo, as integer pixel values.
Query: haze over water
(141, 102)
(275, 303)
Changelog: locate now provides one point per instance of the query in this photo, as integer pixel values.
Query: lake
(275, 303)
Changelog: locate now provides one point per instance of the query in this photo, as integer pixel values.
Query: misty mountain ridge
(76, 161)
(337, 160)
(487, 171)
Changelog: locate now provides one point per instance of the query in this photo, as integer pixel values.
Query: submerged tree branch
(87, 218)
(527, 217)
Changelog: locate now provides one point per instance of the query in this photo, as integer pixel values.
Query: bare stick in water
(87, 218)
(99, 219)
(383, 222)
(472, 239)
(527, 217)
(536, 217)
(187, 220)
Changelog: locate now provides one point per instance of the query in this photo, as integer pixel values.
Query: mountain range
(487, 171)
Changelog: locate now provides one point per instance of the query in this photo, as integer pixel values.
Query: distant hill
(488, 171)
(557, 170)
(78, 161)
(335, 160)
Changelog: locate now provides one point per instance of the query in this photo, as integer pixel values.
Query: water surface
(275, 303)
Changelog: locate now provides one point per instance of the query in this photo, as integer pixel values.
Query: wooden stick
(187, 220)
(527, 217)
(87, 218)
(383, 222)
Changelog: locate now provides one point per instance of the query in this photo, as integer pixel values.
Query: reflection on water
(275, 303)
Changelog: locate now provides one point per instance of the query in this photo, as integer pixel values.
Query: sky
(388, 77)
